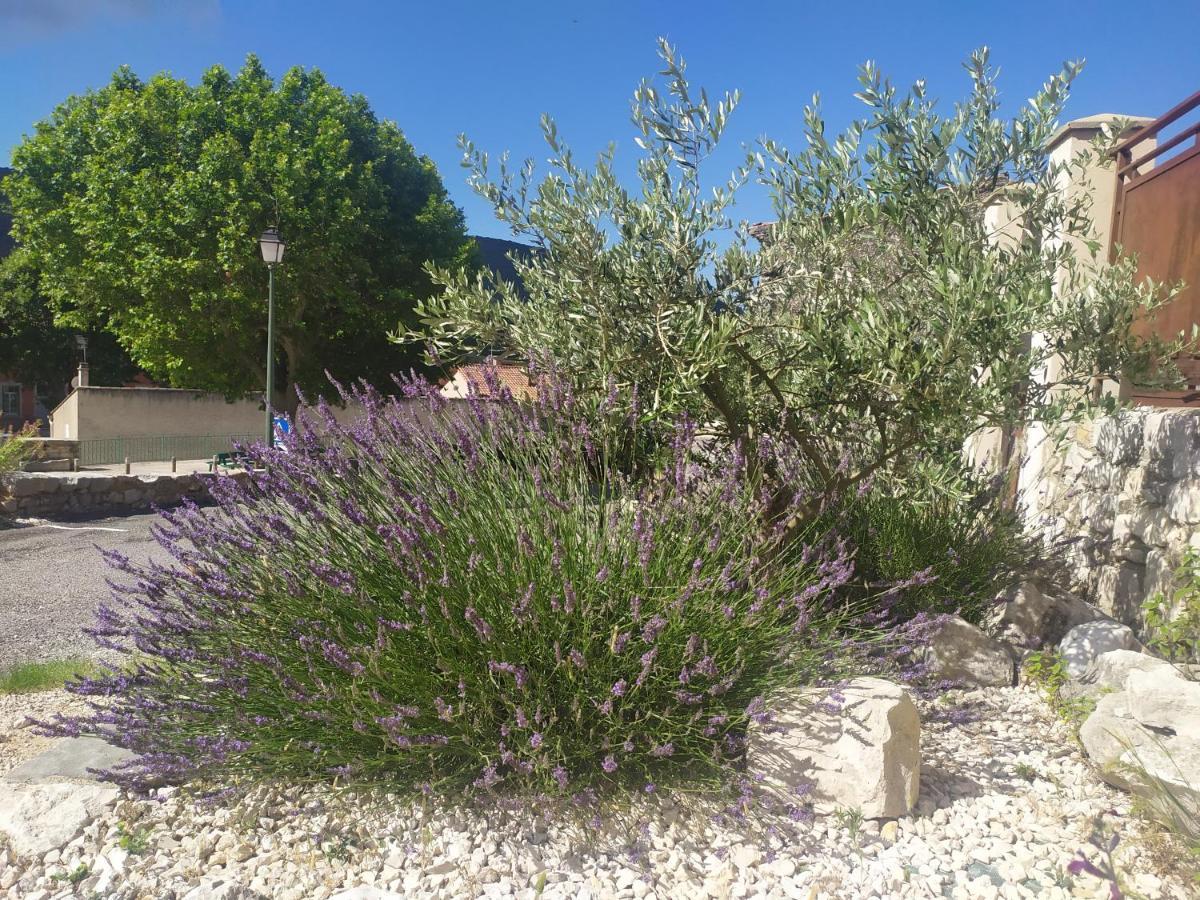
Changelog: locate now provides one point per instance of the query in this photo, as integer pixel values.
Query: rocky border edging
(53, 496)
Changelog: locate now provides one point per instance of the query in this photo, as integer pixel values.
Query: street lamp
(271, 245)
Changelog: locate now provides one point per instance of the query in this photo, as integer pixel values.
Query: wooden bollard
(127, 465)
(74, 463)
(173, 463)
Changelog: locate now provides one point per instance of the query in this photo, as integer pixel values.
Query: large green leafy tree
(140, 205)
(35, 349)
(879, 321)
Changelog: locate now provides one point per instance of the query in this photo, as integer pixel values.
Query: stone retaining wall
(1124, 492)
(51, 496)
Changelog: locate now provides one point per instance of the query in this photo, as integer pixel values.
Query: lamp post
(271, 245)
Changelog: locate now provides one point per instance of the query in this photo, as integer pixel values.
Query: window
(10, 399)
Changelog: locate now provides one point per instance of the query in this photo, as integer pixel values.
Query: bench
(228, 462)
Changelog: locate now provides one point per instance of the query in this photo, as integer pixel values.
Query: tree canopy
(38, 351)
(878, 322)
(139, 206)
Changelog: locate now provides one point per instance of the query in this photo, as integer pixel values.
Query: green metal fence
(158, 449)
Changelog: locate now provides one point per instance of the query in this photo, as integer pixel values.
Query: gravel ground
(54, 578)
(1006, 802)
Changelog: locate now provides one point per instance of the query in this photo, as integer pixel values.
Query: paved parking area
(52, 578)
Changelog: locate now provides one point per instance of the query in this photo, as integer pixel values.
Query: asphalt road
(52, 577)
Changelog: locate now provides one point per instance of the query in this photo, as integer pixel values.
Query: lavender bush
(454, 595)
(973, 548)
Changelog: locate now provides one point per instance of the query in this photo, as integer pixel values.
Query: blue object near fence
(283, 427)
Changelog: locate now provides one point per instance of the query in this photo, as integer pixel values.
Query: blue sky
(492, 68)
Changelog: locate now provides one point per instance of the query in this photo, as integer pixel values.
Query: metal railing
(1154, 217)
(107, 451)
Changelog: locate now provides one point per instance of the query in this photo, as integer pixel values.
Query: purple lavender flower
(653, 628)
(482, 628)
(519, 675)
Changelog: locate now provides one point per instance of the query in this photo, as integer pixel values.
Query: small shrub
(1048, 671)
(1026, 772)
(850, 819)
(14, 450)
(468, 596)
(73, 877)
(133, 840)
(1173, 622)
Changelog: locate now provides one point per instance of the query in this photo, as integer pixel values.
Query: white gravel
(1005, 804)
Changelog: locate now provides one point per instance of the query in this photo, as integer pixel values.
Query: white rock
(37, 818)
(1110, 671)
(116, 858)
(217, 889)
(1162, 767)
(746, 856)
(1161, 699)
(1085, 642)
(962, 653)
(365, 892)
(103, 874)
(865, 756)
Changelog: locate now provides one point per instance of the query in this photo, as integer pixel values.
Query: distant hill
(6, 241)
(493, 252)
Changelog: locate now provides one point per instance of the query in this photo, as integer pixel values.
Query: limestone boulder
(1110, 672)
(38, 818)
(76, 758)
(855, 748)
(1031, 617)
(1145, 739)
(1165, 702)
(962, 653)
(1083, 643)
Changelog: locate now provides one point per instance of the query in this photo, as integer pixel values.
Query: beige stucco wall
(64, 419)
(93, 413)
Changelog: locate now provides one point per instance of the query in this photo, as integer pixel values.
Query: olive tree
(879, 321)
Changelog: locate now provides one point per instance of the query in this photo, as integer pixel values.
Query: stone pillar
(1097, 178)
